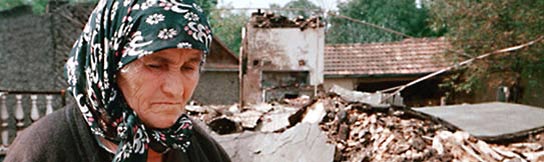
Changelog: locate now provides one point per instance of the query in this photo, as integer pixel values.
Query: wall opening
(426, 93)
(271, 79)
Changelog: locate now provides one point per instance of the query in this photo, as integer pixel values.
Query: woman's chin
(161, 121)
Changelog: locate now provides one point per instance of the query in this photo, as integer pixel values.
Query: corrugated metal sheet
(488, 120)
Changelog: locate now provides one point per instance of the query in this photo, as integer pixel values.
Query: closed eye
(188, 68)
(153, 66)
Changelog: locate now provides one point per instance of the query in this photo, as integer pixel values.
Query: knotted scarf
(117, 33)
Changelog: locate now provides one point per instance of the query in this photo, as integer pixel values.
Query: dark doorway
(425, 93)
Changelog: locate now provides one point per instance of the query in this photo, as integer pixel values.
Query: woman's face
(158, 86)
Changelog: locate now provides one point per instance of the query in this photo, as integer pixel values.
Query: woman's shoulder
(41, 139)
(60, 136)
(205, 146)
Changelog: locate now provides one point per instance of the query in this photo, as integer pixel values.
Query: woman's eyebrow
(159, 59)
(162, 59)
(195, 59)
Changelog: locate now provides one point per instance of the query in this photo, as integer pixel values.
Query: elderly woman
(131, 72)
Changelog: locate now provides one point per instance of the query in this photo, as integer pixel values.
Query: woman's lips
(165, 103)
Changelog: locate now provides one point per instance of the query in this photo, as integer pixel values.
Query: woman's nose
(172, 86)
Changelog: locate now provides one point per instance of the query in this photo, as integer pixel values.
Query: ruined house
(281, 58)
(379, 66)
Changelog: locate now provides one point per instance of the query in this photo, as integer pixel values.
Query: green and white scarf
(117, 33)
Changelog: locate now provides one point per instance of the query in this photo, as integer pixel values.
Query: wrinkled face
(158, 86)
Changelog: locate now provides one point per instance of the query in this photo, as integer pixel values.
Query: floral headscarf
(117, 33)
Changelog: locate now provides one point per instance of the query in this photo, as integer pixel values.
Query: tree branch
(370, 24)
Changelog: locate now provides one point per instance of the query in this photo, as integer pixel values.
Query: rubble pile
(271, 20)
(361, 132)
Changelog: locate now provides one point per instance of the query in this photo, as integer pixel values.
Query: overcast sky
(326, 4)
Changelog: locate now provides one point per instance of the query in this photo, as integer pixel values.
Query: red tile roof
(410, 56)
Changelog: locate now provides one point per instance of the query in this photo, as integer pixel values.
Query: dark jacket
(65, 136)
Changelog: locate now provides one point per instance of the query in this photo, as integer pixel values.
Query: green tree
(227, 26)
(38, 6)
(274, 6)
(477, 27)
(292, 8)
(207, 5)
(400, 15)
(8, 4)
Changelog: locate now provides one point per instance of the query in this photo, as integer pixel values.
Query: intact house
(378, 66)
(219, 82)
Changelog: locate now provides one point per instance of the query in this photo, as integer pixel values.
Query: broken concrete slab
(249, 118)
(234, 109)
(298, 102)
(489, 120)
(277, 119)
(196, 108)
(315, 113)
(303, 142)
(263, 107)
